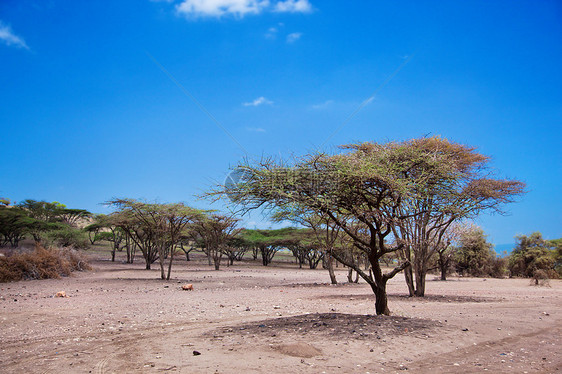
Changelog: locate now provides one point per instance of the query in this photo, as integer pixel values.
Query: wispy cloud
(293, 6)
(293, 37)
(8, 37)
(259, 101)
(271, 33)
(218, 8)
(255, 129)
(326, 104)
(239, 8)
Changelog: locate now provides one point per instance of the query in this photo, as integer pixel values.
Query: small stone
(196, 353)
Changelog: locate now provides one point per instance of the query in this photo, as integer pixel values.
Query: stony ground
(120, 318)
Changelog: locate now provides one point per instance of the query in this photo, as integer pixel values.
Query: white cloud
(293, 6)
(255, 129)
(239, 8)
(323, 105)
(259, 101)
(271, 33)
(8, 37)
(217, 8)
(293, 37)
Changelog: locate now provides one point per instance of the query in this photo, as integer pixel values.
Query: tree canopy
(371, 190)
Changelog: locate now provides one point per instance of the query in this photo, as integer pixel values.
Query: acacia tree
(72, 217)
(451, 182)
(363, 186)
(14, 225)
(325, 231)
(269, 242)
(44, 217)
(445, 248)
(155, 227)
(474, 255)
(95, 227)
(533, 254)
(382, 196)
(215, 232)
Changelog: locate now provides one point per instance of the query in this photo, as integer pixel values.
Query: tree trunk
(217, 261)
(381, 301)
(443, 267)
(162, 271)
(420, 272)
(172, 250)
(378, 285)
(330, 266)
(350, 275)
(409, 277)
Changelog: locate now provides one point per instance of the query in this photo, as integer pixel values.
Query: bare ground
(120, 318)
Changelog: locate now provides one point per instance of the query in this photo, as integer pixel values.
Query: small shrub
(69, 237)
(540, 278)
(498, 267)
(41, 264)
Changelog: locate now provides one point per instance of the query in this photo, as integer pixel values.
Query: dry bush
(540, 278)
(41, 263)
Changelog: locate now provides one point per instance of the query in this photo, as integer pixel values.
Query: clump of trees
(475, 256)
(47, 223)
(535, 257)
(156, 229)
(215, 235)
(383, 197)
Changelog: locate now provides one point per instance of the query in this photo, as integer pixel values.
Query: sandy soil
(120, 318)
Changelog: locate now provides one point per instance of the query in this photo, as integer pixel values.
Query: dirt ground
(120, 318)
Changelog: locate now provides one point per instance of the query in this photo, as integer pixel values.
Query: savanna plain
(120, 318)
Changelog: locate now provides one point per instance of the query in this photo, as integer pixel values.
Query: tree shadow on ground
(332, 325)
(425, 299)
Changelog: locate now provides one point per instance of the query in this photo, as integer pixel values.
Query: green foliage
(557, 243)
(67, 236)
(370, 189)
(533, 254)
(14, 225)
(475, 256)
(155, 228)
(42, 210)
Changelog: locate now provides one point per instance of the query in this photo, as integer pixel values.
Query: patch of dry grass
(41, 263)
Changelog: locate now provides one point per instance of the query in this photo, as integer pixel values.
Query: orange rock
(61, 294)
(187, 287)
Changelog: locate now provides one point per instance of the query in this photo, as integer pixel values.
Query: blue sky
(87, 113)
